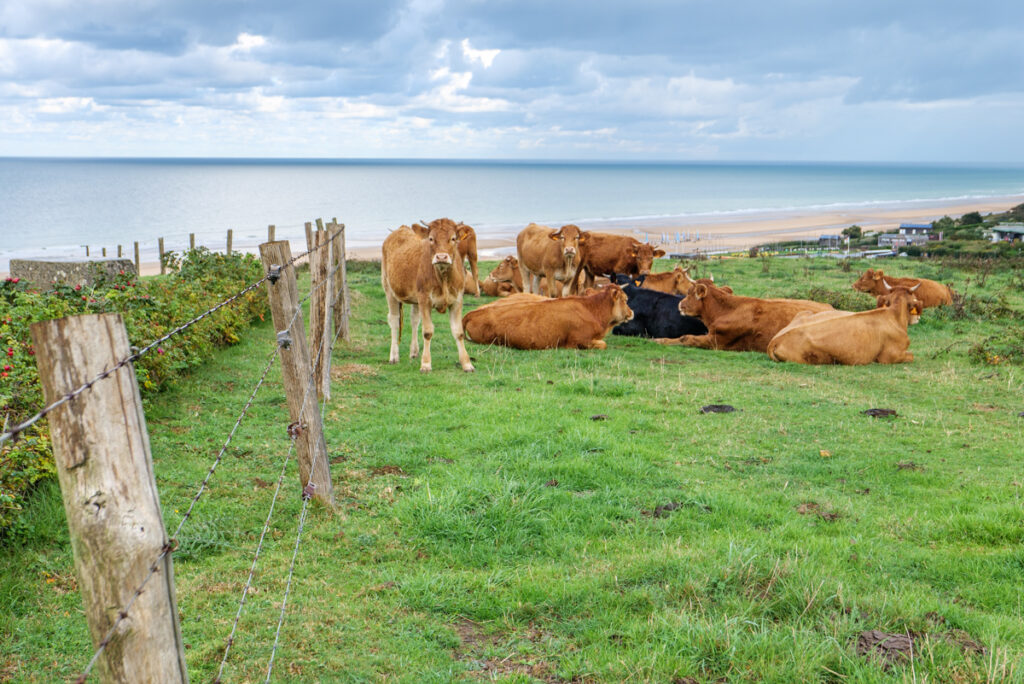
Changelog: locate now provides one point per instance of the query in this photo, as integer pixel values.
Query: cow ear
(878, 275)
(659, 253)
(463, 232)
(555, 236)
(584, 236)
(421, 231)
(633, 253)
(700, 290)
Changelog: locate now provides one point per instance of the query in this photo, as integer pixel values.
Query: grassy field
(573, 516)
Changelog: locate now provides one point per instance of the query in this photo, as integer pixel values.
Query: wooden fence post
(87, 250)
(341, 300)
(270, 232)
(309, 236)
(320, 312)
(120, 252)
(163, 269)
(310, 447)
(230, 235)
(191, 240)
(138, 266)
(104, 251)
(113, 511)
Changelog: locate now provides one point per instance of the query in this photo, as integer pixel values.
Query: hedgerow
(150, 308)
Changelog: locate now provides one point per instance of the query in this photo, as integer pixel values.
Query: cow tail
(771, 351)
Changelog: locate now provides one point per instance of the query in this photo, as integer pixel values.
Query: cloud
(646, 78)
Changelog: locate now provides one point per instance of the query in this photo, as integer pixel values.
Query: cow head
(570, 237)
(644, 254)
(694, 301)
(441, 244)
(868, 281)
(899, 297)
(620, 305)
(506, 271)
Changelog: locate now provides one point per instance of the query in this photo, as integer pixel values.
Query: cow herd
(595, 283)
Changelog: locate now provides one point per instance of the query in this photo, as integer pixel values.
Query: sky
(718, 80)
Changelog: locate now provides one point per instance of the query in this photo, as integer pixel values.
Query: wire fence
(274, 272)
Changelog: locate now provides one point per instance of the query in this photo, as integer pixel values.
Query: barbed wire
(307, 494)
(70, 396)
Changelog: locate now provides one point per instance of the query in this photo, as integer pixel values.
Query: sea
(56, 207)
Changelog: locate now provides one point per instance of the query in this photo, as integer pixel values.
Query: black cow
(655, 314)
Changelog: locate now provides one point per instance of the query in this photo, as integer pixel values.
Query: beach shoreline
(732, 231)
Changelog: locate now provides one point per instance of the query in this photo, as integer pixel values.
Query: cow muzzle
(442, 259)
(569, 253)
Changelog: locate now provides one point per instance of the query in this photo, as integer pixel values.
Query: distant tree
(971, 218)
(854, 232)
(944, 223)
(1017, 213)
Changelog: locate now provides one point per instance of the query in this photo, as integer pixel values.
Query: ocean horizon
(53, 207)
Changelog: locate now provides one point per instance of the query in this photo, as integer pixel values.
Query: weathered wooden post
(120, 252)
(309, 236)
(138, 265)
(230, 235)
(320, 312)
(307, 430)
(270, 232)
(87, 250)
(341, 301)
(104, 251)
(163, 268)
(191, 241)
(105, 469)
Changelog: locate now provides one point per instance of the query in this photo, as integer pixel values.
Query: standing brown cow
(737, 323)
(607, 254)
(467, 248)
(930, 292)
(553, 254)
(422, 266)
(528, 321)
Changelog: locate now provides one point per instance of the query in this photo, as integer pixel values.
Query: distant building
(915, 229)
(902, 240)
(830, 241)
(1008, 231)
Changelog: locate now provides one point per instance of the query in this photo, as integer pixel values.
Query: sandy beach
(733, 231)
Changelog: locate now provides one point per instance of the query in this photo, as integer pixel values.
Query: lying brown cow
(553, 254)
(677, 281)
(850, 339)
(607, 254)
(422, 266)
(737, 323)
(504, 280)
(527, 321)
(931, 293)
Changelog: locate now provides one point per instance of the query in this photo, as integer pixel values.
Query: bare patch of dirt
(811, 508)
(257, 483)
(347, 371)
(387, 470)
(881, 413)
(718, 408)
(909, 465)
(887, 649)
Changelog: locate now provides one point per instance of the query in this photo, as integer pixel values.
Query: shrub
(150, 308)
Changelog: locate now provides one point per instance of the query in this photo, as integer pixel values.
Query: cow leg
(708, 341)
(476, 274)
(455, 322)
(395, 323)
(428, 333)
(550, 283)
(597, 344)
(415, 314)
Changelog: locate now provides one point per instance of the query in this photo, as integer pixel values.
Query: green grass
(488, 527)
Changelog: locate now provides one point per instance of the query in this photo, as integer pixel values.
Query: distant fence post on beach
(306, 428)
(191, 241)
(230, 236)
(138, 266)
(341, 301)
(120, 252)
(270, 232)
(105, 471)
(87, 250)
(104, 251)
(309, 236)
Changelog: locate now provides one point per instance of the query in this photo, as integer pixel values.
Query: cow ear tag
(637, 282)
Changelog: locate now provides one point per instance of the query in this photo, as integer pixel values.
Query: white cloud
(485, 57)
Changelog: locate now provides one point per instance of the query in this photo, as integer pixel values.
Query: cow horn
(886, 283)
(424, 223)
(460, 223)
(913, 289)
